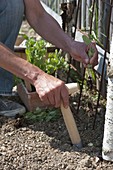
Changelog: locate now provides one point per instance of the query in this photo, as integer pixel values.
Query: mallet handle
(69, 119)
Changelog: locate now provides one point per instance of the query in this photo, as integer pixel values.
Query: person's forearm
(17, 65)
(49, 29)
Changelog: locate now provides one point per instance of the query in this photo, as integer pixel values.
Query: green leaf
(86, 40)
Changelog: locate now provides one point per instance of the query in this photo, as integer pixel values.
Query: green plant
(43, 114)
(37, 54)
(90, 74)
(87, 41)
(55, 61)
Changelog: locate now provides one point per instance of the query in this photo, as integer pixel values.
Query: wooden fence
(53, 4)
(101, 16)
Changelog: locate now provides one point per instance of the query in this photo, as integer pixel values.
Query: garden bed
(30, 144)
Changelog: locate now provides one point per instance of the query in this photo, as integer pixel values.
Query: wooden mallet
(68, 116)
(69, 119)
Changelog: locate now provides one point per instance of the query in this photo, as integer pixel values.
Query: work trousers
(11, 16)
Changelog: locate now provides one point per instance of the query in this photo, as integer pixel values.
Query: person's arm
(50, 89)
(46, 26)
(16, 65)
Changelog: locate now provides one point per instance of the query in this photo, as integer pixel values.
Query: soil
(42, 145)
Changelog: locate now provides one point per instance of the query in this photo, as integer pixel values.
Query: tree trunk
(107, 150)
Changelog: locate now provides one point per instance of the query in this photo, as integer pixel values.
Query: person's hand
(79, 52)
(51, 90)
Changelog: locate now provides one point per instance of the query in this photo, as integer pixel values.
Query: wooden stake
(69, 119)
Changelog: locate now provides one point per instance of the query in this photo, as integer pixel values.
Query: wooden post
(106, 21)
(100, 21)
(83, 18)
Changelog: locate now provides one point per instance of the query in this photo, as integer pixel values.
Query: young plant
(91, 75)
(37, 54)
(55, 61)
(43, 114)
(87, 41)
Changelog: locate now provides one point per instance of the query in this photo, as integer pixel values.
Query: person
(52, 91)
